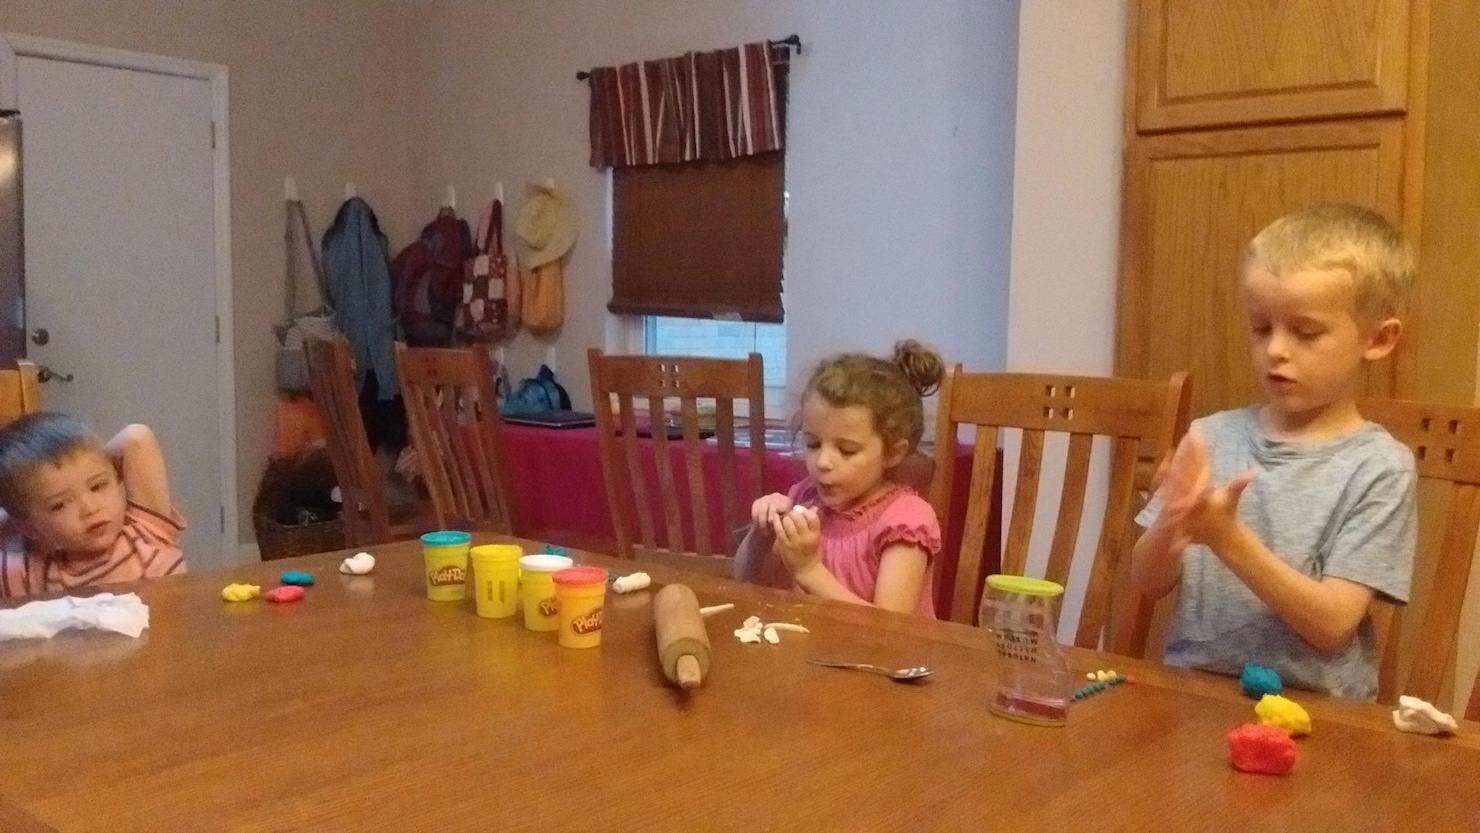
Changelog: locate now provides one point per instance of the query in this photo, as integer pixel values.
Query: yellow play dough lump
(1282, 713)
(240, 592)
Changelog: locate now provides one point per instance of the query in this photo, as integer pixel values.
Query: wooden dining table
(366, 707)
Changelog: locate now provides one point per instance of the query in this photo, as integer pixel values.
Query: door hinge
(213, 135)
(223, 518)
(218, 329)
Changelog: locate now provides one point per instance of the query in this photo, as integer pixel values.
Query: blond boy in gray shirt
(1281, 522)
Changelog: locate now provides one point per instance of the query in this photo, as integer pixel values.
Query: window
(698, 215)
(667, 335)
(702, 211)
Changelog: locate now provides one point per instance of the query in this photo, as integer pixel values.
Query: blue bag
(537, 395)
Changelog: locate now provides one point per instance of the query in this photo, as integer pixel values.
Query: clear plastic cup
(1033, 683)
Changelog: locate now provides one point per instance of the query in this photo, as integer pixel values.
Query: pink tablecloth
(559, 496)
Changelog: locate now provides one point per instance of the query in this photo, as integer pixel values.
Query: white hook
(450, 201)
(498, 190)
(290, 189)
(349, 191)
(498, 356)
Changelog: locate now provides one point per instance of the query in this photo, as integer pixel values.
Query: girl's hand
(797, 535)
(767, 509)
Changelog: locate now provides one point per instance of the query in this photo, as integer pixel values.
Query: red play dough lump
(1266, 749)
(286, 593)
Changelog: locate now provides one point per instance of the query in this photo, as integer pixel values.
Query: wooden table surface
(367, 708)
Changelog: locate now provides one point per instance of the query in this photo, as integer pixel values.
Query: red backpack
(427, 277)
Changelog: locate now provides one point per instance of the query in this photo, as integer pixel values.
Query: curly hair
(891, 389)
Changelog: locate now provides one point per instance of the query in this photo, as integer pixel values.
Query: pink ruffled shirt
(853, 540)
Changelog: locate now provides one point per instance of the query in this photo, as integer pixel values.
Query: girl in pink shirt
(850, 531)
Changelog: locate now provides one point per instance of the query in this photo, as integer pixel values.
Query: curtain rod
(793, 41)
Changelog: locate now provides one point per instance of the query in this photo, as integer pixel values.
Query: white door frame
(13, 45)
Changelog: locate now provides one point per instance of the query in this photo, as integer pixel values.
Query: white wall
(1066, 203)
(1065, 221)
(315, 91)
(899, 161)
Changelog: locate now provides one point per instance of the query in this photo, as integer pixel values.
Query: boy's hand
(1194, 513)
(136, 453)
(768, 508)
(797, 536)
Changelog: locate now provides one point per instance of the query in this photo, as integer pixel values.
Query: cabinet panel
(1203, 63)
(1192, 203)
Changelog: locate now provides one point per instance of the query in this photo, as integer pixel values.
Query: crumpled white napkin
(125, 614)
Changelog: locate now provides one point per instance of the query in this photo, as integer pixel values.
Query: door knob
(45, 374)
(40, 337)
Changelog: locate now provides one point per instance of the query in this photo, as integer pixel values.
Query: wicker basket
(289, 483)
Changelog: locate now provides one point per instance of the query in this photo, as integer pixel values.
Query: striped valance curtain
(702, 106)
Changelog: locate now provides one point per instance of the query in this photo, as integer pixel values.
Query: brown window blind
(700, 239)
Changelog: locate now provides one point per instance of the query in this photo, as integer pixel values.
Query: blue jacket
(357, 268)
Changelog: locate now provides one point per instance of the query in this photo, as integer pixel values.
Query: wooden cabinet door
(1203, 63)
(1193, 201)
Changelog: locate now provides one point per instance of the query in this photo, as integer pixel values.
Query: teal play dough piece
(297, 577)
(1259, 680)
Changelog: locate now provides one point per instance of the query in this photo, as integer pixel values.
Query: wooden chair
(366, 515)
(1445, 440)
(687, 379)
(458, 435)
(1473, 712)
(20, 392)
(1130, 411)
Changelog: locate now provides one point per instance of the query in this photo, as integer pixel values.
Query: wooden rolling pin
(683, 645)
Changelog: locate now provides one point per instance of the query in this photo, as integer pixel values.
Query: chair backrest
(1473, 712)
(1445, 440)
(617, 384)
(458, 435)
(20, 392)
(1131, 412)
(332, 378)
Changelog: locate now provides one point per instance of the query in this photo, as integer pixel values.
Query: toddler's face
(1306, 341)
(846, 455)
(77, 504)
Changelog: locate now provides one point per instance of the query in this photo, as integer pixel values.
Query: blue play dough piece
(551, 549)
(1259, 680)
(297, 577)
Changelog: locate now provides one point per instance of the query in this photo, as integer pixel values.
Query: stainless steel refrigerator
(12, 255)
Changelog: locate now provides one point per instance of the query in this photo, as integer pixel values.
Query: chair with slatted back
(332, 377)
(617, 384)
(1473, 713)
(458, 435)
(20, 391)
(1130, 412)
(1445, 440)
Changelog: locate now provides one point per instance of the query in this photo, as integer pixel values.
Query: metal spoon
(899, 675)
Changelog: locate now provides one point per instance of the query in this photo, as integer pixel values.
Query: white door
(120, 265)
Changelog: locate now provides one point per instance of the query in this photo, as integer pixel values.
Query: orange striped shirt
(148, 547)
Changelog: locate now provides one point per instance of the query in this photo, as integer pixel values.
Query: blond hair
(891, 389)
(1352, 238)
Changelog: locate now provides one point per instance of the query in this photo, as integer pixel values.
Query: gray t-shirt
(1342, 507)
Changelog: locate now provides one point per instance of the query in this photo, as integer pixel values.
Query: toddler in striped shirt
(75, 512)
